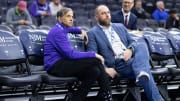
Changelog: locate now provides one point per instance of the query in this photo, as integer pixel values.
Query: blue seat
(160, 50)
(12, 55)
(44, 27)
(33, 42)
(5, 28)
(50, 20)
(174, 38)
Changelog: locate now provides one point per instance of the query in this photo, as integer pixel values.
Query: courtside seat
(12, 54)
(174, 38)
(20, 81)
(33, 42)
(159, 49)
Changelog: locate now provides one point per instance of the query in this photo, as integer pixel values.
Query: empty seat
(141, 23)
(90, 1)
(98, 2)
(152, 23)
(76, 5)
(50, 20)
(147, 29)
(80, 21)
(12, 53)
(174, 29)
(44, 27)
(6, 28)
(90, 6)
(162, 30)
(80, 13)
(160, 49)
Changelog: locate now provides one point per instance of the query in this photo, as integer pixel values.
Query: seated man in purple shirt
(39, 9)
(61, 60)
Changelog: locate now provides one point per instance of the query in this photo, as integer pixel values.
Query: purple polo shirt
(57, 46)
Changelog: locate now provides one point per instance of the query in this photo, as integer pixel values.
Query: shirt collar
(125, 13)
(18, 12)
(61, 25)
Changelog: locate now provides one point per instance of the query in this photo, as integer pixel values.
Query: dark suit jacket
(99, 43)
(117, 17)
(170, 21)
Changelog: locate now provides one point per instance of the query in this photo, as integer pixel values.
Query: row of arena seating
(22, 70)
(84, 10)
(82, 22)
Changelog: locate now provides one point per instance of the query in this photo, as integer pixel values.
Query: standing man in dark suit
(125, 16)
(173, 20)
(121, 53)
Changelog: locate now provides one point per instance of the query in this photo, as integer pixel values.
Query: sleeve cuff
(132, 49)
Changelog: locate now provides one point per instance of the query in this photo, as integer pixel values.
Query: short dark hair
(172, 11)
(63, 11)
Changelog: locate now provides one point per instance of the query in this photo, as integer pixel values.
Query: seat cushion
(53, 80)
(160, 71)
(20, 81)
(174, 71)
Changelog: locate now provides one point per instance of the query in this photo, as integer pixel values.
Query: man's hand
(111, 72)
(45, 14)
(85, 36)
(26, 22)
(127, 54)
(100, 58)
(21, 22)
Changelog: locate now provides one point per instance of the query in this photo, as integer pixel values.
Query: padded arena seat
(20, 81)
(174, 38)
(160, 50)
(12, 55)
(33, 42)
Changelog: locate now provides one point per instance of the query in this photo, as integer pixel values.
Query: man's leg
(85, 70)
(140, 63)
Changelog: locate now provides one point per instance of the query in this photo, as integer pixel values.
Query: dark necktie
(174, 23)
(126, 20)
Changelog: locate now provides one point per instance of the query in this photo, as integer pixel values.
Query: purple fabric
(57, 46)
(36, 9)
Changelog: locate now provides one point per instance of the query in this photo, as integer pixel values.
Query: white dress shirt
(115, 41)
(124, 15)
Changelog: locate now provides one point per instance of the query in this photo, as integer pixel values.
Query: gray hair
(159, 2)
(63, 11)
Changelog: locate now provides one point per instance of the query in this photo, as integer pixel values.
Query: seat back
(33, 42)
(159, 46)
(77, 42)
(174, 38)
(11, 49)
(141, 23)
(5, 28)
(161, 52)
(11, 53)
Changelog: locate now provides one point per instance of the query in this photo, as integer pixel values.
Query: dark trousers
(87, 70)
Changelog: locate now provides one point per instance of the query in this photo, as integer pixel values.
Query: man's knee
(141, 47)
(94, 71)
